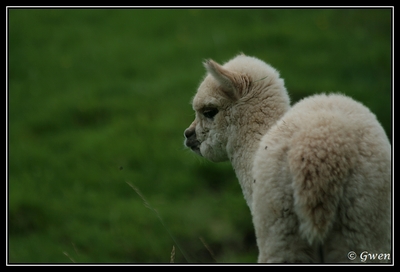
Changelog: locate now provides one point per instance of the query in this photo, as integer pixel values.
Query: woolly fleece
(316, 176)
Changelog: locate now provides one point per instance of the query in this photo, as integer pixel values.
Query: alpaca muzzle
(191, 140)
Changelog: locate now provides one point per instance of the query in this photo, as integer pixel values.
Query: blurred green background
(99, 98)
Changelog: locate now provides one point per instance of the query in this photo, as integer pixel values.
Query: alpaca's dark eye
(210, 113)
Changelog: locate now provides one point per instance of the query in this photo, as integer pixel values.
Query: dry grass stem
(208, 248)
(172, 255)
(69, 257)
(147, 205)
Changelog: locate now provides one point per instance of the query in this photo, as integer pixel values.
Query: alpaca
(316, 176)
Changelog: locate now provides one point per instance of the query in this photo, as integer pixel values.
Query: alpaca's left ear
(231, 82)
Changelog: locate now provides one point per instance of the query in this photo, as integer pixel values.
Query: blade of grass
(147, 205)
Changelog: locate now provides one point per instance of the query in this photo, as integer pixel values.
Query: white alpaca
(316, 176)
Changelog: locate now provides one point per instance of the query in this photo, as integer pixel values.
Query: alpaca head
(229, 99)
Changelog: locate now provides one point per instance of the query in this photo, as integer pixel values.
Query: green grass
(98, 98)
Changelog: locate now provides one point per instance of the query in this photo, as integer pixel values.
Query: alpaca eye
(210, 113)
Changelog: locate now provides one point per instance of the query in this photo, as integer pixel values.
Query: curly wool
(316, 176)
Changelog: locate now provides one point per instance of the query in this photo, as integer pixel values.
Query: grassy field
(98, 100)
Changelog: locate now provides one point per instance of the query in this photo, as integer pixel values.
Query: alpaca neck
(246, 138)
(242, 162)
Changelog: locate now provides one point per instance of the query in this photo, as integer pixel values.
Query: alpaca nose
(189, 132)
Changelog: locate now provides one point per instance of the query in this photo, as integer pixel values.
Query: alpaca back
(333, 157)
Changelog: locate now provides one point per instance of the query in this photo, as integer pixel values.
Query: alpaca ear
(229, 80)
